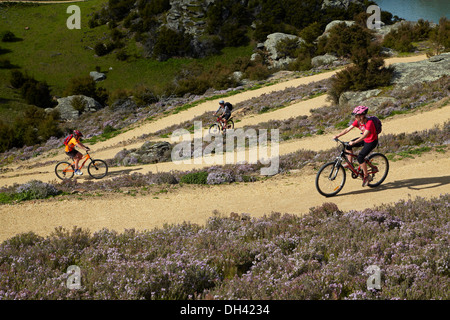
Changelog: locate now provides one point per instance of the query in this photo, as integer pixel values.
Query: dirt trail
(293, 193)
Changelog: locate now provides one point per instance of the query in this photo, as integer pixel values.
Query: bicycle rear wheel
(214, 129)
(378, 168)
(230, 124)
(330, 179)
(97, 169)
(64, 170)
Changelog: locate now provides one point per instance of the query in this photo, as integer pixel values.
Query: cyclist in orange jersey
(74, 153)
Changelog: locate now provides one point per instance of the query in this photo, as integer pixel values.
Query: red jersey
(369, 125)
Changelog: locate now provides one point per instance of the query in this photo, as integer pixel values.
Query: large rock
(277, 60)
(149, 152)
(343, 4)
(323, 60)
(367, 98)
(97, 76)
(407, 74)
(334, 23)
(68, 112)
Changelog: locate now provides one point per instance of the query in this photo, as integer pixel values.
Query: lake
(413, 10)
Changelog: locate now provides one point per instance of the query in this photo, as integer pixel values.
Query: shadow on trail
(411, 184)
(122, 172)
(115, 173)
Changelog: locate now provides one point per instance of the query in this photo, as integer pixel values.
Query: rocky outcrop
(275, 59)
(368, 98)
(149, 152)
(406, 74)
(338, 3)
(334, 23)
(97, 76)
(68, 112)
(322, 60)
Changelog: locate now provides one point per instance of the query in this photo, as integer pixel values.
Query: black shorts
(72, 153)
(227, 115)
(367, 148)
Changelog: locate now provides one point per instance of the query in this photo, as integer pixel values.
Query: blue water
(413, 10)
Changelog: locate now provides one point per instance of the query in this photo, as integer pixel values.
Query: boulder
(323, 60)
(343, 4)
(275, 59)
(367, 98)
(356, 98)
(68, 112)
(407, 74)
(333, 24)
(149, 152)
(97, 76)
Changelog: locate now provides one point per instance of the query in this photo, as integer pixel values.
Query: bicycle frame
(85, 157)
(223, 125)
(355, 172)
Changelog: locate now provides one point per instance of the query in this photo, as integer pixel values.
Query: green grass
(51, 52)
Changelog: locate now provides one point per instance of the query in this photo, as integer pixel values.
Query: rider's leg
(350, 149)
(367, 148)
(77, 159)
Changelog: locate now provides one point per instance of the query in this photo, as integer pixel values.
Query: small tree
(367, 73)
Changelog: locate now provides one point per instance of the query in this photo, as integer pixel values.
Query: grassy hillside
(51, 52)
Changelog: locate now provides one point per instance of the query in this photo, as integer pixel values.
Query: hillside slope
(294, 193)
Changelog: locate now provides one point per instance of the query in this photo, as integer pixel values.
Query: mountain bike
(97, 168)
(332, 176)
(218, 126)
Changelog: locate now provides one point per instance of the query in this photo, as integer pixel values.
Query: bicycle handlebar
(344, 143)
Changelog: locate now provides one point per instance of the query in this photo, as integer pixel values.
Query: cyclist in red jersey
(368, 140)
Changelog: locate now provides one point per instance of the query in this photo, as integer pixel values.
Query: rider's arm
(361, 138)
(83, 146)
(345, 131)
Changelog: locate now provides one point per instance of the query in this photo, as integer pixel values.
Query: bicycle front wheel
(64, 170)
(330, 179)
(378, 168)
(97, 169)
(214, 129)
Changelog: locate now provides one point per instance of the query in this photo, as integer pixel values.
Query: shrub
(121, 55)
(17, 79)
(78, 103)
(86, 86)
(36, 189)
(144, 95)
(197, 177)
(8, 36)
(37, 93)
(257, 71)
(170, 43)
(401, 39)
(364, 75)
(441, 35)
(6, 64)
(343, 40)
(100, 49)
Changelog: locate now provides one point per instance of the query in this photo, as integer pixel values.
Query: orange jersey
(72, 143)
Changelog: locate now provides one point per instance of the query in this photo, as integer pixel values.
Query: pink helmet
(360, 110)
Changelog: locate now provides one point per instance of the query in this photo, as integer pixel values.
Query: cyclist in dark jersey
(225, 109)
(368, 140)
